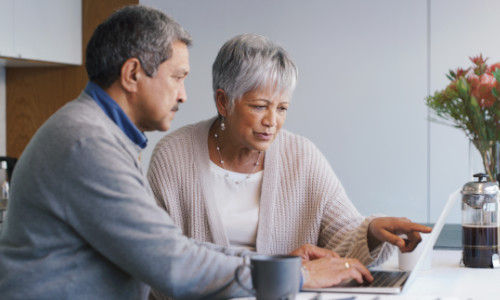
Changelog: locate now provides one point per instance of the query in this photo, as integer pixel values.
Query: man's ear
(131, 71)
(222, 102)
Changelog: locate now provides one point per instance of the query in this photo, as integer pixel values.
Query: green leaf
(463, 87)
(495, 92)
(474, 102)
(496, 74)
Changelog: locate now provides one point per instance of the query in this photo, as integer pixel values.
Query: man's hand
(310, 252)
(329, 271)
(387, 229)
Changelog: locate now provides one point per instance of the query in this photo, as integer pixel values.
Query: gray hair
(250, 61)
(133, 31)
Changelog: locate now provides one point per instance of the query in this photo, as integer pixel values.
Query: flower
(481, 89)
(471, 102)
(480, 63)
(493, 67)
(478, 60)
(461, 72)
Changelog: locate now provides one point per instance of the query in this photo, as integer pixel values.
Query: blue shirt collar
(115, 113)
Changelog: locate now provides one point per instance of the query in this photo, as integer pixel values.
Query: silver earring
(222, 125)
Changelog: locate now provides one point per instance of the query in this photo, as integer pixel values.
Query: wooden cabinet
(34, 31)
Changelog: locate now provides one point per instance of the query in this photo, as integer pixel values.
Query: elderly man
(82, 221)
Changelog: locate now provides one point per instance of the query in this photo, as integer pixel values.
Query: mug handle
(237, 278)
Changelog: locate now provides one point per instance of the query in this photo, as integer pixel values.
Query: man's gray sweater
(82, 222)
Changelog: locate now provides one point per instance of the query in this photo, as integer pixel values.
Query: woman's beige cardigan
(302, 201)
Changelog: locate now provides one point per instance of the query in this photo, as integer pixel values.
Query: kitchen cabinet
(34, 31)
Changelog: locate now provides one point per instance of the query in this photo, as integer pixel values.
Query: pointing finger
(409, 227)
(393, 239)
(414, 239)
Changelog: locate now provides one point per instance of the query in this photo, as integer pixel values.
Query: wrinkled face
(159, 96)
(256, 118)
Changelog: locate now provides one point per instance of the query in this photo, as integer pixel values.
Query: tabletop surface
(446, 280)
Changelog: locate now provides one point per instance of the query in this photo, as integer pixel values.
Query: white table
(446, 280)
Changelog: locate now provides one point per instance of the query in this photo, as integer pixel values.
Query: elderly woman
(241, 180)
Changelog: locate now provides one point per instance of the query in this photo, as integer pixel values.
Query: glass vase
(489, 153)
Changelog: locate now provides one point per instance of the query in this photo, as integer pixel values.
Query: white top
(237, 200)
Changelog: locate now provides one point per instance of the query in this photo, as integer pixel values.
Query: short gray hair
(250, 61)
(133, 31)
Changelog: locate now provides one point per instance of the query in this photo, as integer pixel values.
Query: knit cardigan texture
(302, 201)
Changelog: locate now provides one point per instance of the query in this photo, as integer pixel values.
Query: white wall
(361, 89)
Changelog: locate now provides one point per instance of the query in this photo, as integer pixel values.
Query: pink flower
(478, 60)
(480, 63)
(461, 72)
(493, 67)
(481, 88)
(473, 80)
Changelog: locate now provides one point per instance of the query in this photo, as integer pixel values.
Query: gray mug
(274, 277)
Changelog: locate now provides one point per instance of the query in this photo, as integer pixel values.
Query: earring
(222, 124)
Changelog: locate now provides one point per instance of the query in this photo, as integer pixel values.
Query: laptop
(395, 282)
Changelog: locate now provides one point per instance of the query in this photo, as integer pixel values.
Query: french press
(480, 222)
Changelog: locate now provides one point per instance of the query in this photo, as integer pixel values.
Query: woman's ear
(130, 73)
(222, 102)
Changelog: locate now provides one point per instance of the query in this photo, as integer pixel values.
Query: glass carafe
(480, 222)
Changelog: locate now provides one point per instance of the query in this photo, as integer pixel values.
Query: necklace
(218, 148)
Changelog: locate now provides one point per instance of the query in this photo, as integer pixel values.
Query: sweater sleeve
(159, 180)
(343, 228)
(108, 203)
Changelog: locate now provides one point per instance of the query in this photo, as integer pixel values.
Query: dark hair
(133, 31)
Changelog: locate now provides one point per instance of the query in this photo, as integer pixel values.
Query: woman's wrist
(371, 240)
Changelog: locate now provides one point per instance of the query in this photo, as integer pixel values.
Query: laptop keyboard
(385, 279)
(381, 279)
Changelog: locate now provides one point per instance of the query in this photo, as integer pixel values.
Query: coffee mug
(274, 277)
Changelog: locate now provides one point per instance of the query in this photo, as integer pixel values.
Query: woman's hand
(325, 268)
(329, 271)
(311, 252)
(387, 229)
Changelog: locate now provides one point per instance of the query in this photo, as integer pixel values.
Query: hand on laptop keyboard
(331, 271)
